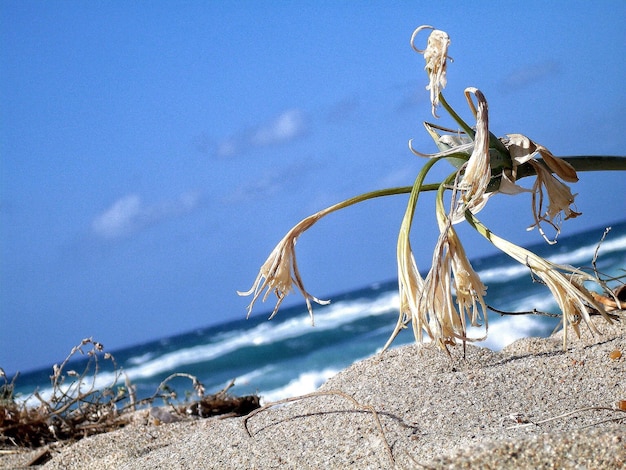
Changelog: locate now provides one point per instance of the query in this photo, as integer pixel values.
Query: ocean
(287, 356)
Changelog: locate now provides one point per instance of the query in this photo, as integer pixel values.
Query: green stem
(477, 225)
(374, 194)
(414, 191)
(581, 163)
(418, 187)
(467, 129)
(439, 207)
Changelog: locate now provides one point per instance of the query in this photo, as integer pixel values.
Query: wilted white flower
(280, 272)
(477, 172)
(435, 55)
(451, 282)
(469, 289)
(474, 175)
(451, 296)
(565, 282)
(410, 287)
(410, 282)
(429, 304)
(560, 197)
(522, 149)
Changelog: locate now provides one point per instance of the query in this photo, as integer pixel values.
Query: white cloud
(130, 214)
(286, 127)
(119, 219)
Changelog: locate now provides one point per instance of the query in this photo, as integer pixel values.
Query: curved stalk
(581, 163)
(372, 195)
(410, 282)
(418, 187)
(467, 129)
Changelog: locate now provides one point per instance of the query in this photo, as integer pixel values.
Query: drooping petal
(452, 296)
(280, 272)
(522, 149)
(477, 172)
(509, 187)
(563, 170)
(469, 289)
(410, 287)
(564, 282)
(435, 55)
(560, 199)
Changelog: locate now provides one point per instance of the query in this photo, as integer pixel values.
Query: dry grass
(77, 408)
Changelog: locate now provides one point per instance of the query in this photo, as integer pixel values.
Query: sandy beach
(487, 410)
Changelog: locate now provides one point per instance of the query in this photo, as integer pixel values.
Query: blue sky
(153, 153)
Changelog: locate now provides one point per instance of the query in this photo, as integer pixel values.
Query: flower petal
(280, 272)
(559, 166)
(478, 171)
(435, 55)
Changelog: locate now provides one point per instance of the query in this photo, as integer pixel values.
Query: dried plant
(78, 408)
(450, 298)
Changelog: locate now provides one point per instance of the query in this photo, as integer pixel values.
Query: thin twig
(323, 393)
(569, 413)
(529, 312)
